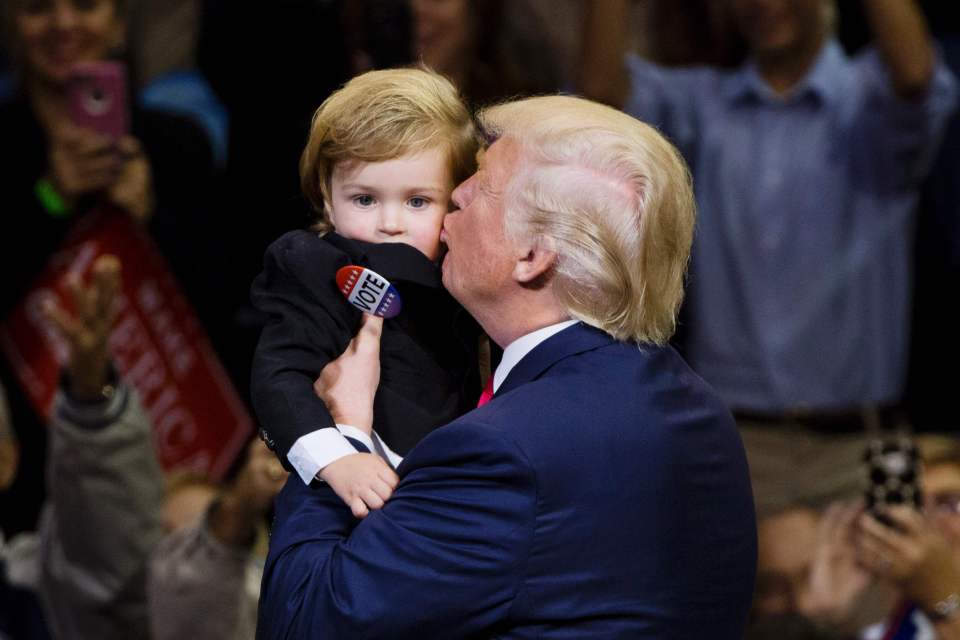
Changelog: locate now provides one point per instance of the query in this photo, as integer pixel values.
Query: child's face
(399, 200)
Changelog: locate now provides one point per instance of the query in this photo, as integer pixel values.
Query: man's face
(787, 544)
(779, 27)
(941, 489)
(480, 259)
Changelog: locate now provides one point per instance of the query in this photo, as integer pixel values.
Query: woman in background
(54, 172)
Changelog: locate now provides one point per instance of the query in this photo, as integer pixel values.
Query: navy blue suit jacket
(603, 493)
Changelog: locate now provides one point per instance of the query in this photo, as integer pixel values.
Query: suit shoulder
(469, 441)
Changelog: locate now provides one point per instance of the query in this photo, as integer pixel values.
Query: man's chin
(446, 277)
(443, 271)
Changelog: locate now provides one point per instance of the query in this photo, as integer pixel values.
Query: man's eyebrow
(488, 137)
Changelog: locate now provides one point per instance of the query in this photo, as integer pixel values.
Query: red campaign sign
(157, 344)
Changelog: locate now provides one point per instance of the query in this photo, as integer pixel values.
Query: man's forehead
(503, 151)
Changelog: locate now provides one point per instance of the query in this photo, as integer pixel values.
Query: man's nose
(458, 197)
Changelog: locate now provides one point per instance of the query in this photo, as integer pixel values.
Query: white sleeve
(379, 447)
(312, 452)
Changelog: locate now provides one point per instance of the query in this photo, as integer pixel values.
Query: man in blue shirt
(806, 165)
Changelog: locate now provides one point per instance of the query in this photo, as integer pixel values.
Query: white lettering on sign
(142, 365)
(176, 348)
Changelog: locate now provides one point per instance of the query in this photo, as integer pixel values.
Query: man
(807, 164)
(603, 491)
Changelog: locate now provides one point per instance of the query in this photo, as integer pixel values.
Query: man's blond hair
(615, 200)
(383, 115)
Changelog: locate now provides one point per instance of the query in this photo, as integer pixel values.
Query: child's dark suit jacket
(428, 353)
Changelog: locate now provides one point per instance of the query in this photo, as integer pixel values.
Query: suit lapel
(571, 341)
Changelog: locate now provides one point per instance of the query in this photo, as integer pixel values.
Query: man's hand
(348, 384)
(362, 480)
(912, 554)
(836, 579)
(87, 330)
(243, 504)
(260, 479)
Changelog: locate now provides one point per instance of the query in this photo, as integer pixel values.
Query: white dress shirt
(516, 350)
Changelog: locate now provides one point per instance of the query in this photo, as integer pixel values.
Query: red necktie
(487, 394)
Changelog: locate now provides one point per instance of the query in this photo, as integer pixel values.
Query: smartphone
(892, 466)
(97, 98)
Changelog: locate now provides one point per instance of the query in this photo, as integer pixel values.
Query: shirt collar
(823, 82)
(516, 350)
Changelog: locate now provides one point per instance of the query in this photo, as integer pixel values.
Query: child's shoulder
(306, 249)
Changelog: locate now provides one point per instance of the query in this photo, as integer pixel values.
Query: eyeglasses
(944, 503)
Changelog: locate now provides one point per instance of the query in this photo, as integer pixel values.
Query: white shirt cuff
(312, 452)
(380, 447)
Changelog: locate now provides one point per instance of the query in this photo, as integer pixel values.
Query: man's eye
(418, 202)
(363, 201)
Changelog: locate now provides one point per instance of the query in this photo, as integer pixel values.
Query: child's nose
(391, 220)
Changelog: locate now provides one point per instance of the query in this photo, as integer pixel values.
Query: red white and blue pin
(368, 291)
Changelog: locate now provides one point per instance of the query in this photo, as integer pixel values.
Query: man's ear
(537, 262)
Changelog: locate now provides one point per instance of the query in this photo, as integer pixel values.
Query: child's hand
(362, 480)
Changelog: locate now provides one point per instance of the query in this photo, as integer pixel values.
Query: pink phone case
(98, 98)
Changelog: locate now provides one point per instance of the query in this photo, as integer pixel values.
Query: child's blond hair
(383, 115)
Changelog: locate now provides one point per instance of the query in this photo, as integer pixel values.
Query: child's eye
(418, 203)
(363, 200)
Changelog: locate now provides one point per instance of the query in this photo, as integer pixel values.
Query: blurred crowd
(825, 153)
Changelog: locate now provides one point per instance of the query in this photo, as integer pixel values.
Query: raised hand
(836, 578)
(87, 330)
